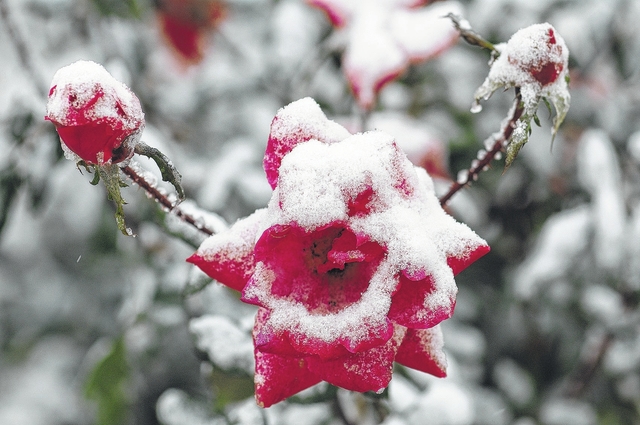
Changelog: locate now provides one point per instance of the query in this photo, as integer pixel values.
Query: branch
(499, 142)
(164, 201)
(586, 370)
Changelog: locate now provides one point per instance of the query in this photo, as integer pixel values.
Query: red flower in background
(383, 37)
(352, 264)
(186, 23)
(97, 117)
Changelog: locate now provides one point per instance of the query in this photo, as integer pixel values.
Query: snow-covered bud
(98, 118)
(535, 61)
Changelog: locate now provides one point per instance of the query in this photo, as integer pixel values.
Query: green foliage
(110, 175)
(105, 385)
(124, 9)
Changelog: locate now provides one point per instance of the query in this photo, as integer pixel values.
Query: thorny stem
(498, 145)
(163, 200)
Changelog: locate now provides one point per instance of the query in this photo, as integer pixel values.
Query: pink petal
(424, 33)
(372, 57)
(460, 263)
(326, 270)
(278, 376)
(323, 272)
(422, 349)
(368, 370)
(228, 256)
(338, 11)
(297, 123)
(408, 304)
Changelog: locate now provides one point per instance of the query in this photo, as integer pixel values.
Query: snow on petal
(278, 377)
(424, 33)
(372, 57)
(368, 370)
(338, 11)
(417, 140)
(384, 36)
(228, 256)
(297, 122)
(353, 249)
(97, 117)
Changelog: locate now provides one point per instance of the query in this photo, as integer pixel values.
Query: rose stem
(500, 140)
(163, 200)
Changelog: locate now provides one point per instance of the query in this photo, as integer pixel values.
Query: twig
(469, 35)
(478, 165)
(21, 47)
(164, 201)
(586, 370)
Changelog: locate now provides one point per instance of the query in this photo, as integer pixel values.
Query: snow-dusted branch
(494, 150)
(164, 201)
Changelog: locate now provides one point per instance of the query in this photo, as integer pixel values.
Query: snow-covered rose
(383, 37)
(352, 263)
(97, 117)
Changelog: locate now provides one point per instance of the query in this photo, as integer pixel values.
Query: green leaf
(519, 138)
(106, 385)
(537, 120)
(110, 175)
(124, 9)
(167, 170)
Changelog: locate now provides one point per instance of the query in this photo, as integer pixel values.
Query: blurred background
(96, 327)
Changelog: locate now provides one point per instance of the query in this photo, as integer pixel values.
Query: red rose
(383, 37)
(185, 25)
(97, 117)
(352, 264)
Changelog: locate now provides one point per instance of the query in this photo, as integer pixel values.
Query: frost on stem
(534, 60)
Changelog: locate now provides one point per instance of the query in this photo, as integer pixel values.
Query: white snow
(228, 346)
(314, 188)
(599, 173)
(75, 85)
(564, 237)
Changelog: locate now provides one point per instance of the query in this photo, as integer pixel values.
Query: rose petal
(369, 68)
(278, 377)
(368, 370)
(296, 123)
(107, 137)
(228, 256)
(418, 305)
(422, 349)
(461, 262)
(324, 270)
(424, 33)
(338, 11)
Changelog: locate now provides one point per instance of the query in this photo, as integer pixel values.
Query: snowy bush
(337, 222)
